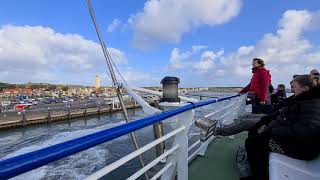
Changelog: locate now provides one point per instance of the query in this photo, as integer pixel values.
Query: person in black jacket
(295, 132)
(315, 74)
(278, 97)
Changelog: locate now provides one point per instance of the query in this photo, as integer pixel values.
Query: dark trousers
(258, 108)
(262, 109)
(257, 147)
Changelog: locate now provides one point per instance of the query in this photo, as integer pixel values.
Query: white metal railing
(164, 169)
(132, 155)
(153, 163)
(177, 156)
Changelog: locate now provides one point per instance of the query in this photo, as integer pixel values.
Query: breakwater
(29, 117)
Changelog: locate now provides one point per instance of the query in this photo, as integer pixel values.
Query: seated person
(278, 96)
(249, 121)
(295, 133)
(315, 74)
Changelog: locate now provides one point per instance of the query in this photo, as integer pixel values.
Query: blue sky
(203, 42)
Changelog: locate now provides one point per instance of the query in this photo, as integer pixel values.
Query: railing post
(158, 133)
(85, 110)
(185, 119)
(24, 118)
(49, 115)
(243, 105)
(180, 157)
(99, 108)
(69, 112)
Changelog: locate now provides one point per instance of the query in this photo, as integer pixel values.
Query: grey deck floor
(219, 161)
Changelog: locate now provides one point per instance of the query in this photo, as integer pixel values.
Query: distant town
(29, 103)
(41, 90)
(44, 93)
(51, 90)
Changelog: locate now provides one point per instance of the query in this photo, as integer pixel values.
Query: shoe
(210, 130)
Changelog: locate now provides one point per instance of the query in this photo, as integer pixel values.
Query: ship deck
(219, 160)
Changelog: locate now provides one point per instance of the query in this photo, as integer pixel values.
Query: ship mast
(115, 83)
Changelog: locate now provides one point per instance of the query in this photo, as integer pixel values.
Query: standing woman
(258, 87)
(299, 134)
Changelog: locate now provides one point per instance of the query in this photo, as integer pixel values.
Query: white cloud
(168, 20)
(245, 50)
(207, 61)
(288, 44)
(286, 52)
(187, 60)
(140, 78)
(180, 60)
(37, 53)
(115, 23)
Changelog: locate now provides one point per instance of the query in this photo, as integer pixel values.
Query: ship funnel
(170, 89)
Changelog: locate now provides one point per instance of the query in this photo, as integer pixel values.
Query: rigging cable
(113, 77)
(119, 72)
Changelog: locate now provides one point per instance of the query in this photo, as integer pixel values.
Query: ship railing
(224, 114)
(177, 157)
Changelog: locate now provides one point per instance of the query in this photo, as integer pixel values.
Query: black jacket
(278, 116)
(300, 124)
(303, 115)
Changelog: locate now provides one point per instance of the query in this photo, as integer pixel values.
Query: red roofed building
(18, 91)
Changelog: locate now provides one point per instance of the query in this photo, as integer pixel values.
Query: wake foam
(77, 166)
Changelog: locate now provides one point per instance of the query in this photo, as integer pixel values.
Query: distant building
(97, 82)
(18, 91)
(75, 86)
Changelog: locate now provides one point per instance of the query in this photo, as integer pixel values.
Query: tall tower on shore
(97, 83)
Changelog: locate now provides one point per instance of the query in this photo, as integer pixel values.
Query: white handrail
(132, 155)
(153, 163)
(160, 94)
(202, 146)
(224, 115)
(236, 108)
(195, 153)
(210, 114)
(215, 112)
(164, 169)
(194, 145)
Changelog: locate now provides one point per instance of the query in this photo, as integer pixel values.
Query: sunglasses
(316, 74)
